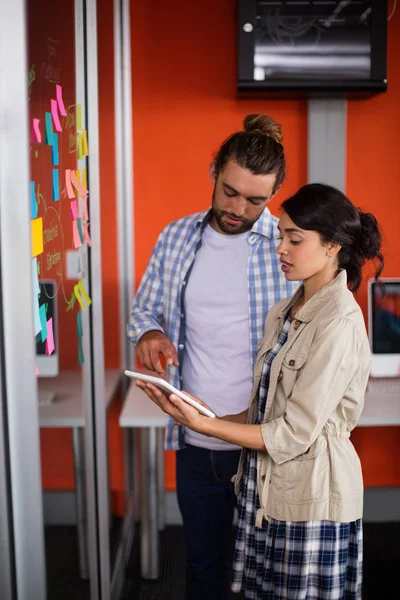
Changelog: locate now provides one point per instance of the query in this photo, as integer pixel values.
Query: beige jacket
(310, 469)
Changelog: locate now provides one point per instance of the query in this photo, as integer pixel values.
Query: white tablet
(167, 387)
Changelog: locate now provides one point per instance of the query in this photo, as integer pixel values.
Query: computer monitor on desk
(384, 327)
(47, 364)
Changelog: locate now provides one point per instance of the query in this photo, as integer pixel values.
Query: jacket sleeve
(147, 312)
(320, 387)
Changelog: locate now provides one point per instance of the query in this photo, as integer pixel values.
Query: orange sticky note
(75, 180)
(68, 184)
(37, 236)
(84, 178)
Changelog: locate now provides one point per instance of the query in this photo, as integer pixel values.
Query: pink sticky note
(60, 101)
(54, 113)
(75, 234)
(36, 370)
(86, 234)
(68, 184)
(50, 337)
(36, 134)
(85, 210)
(74, 209)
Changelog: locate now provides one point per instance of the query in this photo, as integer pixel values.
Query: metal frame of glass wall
(19, 416)
(124, 179)
(22, 559)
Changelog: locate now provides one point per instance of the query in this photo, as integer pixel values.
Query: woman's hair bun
(370, 239)
(259, 123)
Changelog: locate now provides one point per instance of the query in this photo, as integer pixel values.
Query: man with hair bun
(201, 304)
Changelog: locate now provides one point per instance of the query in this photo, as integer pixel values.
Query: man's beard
(242, 225)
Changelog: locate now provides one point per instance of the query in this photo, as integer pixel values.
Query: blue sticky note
(49, 134)
(79, 331)
(81, 358)
(43, 321)
(36, 315)
(33, 201)
(56, 186)
(54, 150)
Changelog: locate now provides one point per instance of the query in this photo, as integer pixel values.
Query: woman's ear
(333, 249)
(213, 173)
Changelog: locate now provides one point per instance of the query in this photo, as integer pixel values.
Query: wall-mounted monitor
(312, 47)
(384, 327)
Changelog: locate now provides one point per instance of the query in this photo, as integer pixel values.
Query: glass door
(54, 393)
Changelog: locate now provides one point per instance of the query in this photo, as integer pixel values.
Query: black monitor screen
(386, 318)
(48, 292)
(313, 40)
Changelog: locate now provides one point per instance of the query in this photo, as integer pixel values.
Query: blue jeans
(206, 500)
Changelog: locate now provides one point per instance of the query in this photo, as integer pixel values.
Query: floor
(381, 565)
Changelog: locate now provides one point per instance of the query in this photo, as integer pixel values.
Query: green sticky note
(43, 322)
(81, 358)
(80, 230)
(48, 137)
(79, 331)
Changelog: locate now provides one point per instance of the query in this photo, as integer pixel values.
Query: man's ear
(273, 195)
(213, 173)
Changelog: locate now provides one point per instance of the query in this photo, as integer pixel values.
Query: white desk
(67, 410)
(381, 409)
(140, 412)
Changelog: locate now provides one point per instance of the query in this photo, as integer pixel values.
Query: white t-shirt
(217, 359)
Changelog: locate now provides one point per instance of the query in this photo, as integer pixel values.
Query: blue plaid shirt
(159, 302)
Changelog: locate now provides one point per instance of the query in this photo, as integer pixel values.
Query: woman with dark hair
(299, 482)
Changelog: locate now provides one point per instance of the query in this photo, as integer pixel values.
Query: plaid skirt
(308, 560)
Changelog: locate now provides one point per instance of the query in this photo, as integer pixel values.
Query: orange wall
(184, 61)
(373, 158)
(184, 105)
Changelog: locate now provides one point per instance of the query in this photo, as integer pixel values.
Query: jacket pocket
(292, 364)
(306, 477)
(293, 361)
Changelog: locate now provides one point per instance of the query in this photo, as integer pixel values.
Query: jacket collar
(314, 305)
(264, 225)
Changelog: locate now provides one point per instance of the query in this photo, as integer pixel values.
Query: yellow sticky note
(84, 142)
(78, 174)
(84, 178)
(79, 117)
(37, 236)
(84, 293)
(78, 296)
(80, 146)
